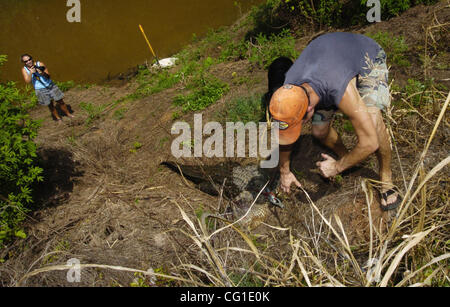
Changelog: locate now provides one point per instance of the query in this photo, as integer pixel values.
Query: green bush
(391, 8)
(18, 170)
(267, 18)
(333, 13)
(322, 12)
(266, 49)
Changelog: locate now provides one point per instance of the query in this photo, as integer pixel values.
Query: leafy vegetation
(18, 170)
(275, 14)
(243, 109)
(93, 111)
(266, 49)
(65, 85)
(394, 46)
(416, 93)
(152, 82)
(205, 91)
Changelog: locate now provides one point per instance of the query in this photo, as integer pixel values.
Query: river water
(107, 41)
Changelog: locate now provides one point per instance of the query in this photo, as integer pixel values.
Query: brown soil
(105, 203)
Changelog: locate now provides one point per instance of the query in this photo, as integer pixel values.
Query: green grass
(394, 46)
(243, 280)
(154, 82)
(416, 92)
(136, 147)
(267, 48)
(93, 111)
(119, 113)
(64, 86)
(175, 115)
(243, 109)
(205, 91)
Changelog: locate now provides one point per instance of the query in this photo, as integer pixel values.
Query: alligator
(245, 186)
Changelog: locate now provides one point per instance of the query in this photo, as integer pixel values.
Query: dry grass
(413, 252)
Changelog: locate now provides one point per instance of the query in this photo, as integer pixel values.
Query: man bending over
(337, 71)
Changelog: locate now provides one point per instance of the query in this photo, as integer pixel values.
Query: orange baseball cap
(288, 105)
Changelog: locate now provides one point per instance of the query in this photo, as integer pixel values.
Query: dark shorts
(46, 95)
(372, 87)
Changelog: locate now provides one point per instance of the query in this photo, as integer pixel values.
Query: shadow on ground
(307, 152)
(60, 172)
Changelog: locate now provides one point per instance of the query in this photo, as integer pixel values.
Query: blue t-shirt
(39, 82)
(329, 62)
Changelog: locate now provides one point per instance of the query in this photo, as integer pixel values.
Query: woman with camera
(46, 91)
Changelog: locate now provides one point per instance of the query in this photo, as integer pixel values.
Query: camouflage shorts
(372, 87)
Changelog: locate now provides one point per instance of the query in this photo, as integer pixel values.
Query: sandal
(385, 196)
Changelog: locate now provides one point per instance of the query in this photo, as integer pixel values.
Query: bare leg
(384, 154)
(63, 107)
(53, 111)
(328, 136)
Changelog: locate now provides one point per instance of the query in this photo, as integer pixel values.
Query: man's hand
(328, 167)
(32, 70)
(286, 179)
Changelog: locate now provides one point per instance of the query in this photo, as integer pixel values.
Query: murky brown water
(107, 40)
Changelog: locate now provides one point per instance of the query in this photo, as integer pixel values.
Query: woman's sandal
(392, 206)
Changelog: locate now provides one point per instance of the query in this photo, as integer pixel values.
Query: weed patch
(92, 111)
(65, 85)
(243, 109)
(154, 82)
(394, 46)
(265, 49)
(207, 91)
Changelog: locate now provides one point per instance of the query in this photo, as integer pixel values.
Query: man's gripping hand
(286, 180)
(328, 168)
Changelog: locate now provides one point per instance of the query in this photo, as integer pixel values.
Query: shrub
(266, 49)
(322, 12)
(333, 13)
(391, 8)
(18, 170)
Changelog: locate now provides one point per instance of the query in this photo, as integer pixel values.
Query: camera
(41, 68)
